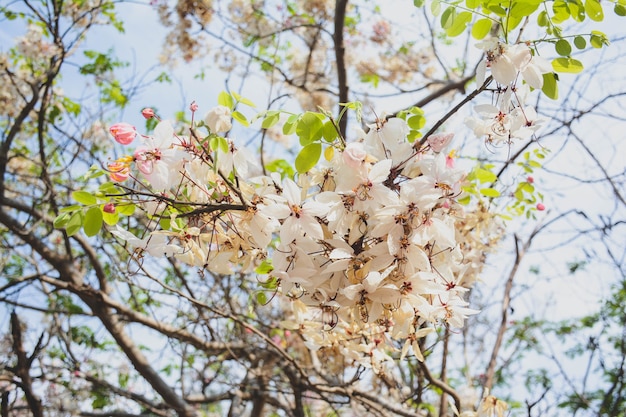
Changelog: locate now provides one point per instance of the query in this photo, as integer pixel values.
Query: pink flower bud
(148, 113)
(123, 133)
(109, 208)
(540, 207)
(193, 106)
(530, 179)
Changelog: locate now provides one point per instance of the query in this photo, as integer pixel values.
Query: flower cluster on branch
(368, 248)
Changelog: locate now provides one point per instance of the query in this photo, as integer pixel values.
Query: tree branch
(340, 61)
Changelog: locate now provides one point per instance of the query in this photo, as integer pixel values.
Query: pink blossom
(123, 133)
(148, 113)
(530, 179)
(540, 207)
(449, 161)
(119, 170)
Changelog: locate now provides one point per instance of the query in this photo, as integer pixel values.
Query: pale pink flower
(160, 160)
(218, 119)
(299, 218)
(354, 155)
(439, 141)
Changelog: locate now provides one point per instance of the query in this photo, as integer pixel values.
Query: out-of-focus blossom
(218, 119)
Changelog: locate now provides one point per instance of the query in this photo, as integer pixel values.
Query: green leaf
(598, 39)
(309, 128)
(481, 28)
(373, 79)
(242, 100)
(484, 175)
(289, 127)
(521, 9)
(528, 187)
(73, 207)
(271, 119)
(550, 87)
(218, 143)
(264, 268)
(577, 10)
(620, 10)
(594, 10)
(542, 19)
(561, 11)
(84, 197)
(567, 65)
(563, 47)
(580, 42)
(111, 218)
(226, 100)
(74, 224)
(416, 122)
(127, 209)
(61, 220)
(490, 192)
(435, 7)
(497, 9)
(93, 221)
(447, 17)
(308, 157)
(329, 131)
(261, 298)
(465, 200)
(459, 24)
(237, 115)
(418, 3)
(281, 166)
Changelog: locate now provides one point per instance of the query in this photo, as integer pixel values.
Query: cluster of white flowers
(509, 118)
(363, 247)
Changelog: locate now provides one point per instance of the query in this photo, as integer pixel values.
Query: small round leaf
(563, 47)
(580, 42)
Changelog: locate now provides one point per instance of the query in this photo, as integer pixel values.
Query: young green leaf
(309, 128)
(225, 99)
(550, 87)
(567, 65)
(563, 47)
(580, 42)
(93, 221)
(460, 24)
(308, 157)
(61, 220)
(594, 10)
(490, 192)
(271, 119)
(241, 118)
(481, 28)
(84, 197)
(75, 223)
